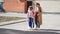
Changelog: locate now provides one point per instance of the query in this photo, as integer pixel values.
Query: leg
(30, 23)
(38, 25)
(2, 7)
(36, 21)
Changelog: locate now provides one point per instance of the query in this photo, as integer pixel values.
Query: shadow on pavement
(10, 31)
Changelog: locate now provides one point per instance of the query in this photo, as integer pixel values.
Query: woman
(38, 18)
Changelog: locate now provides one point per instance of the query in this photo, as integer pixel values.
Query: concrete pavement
(10, 14)
(12, 22)
(42, 31)
(50, 21)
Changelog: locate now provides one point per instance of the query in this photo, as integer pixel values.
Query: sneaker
(29, 28)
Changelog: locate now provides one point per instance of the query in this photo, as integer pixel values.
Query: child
(30, 15)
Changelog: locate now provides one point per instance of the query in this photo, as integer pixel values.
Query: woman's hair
(30, 7)
(39, 7)
(37, 4)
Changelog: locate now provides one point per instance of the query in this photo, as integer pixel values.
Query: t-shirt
(31, 13)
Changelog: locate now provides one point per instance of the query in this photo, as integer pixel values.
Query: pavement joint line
(51, 12)
(42, 12)
(12, 22)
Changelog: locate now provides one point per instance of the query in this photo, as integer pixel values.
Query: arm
(34, 13)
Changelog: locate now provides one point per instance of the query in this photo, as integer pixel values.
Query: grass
(4, 18)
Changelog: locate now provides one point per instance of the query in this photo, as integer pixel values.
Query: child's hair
(30, 7)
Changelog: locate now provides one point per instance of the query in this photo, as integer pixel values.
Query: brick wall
(14, 6)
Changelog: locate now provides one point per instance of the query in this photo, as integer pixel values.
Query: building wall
(50, 6)
(14, 6)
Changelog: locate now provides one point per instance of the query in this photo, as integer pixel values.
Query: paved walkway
(50, 21)
(12, 22)
(13, 14)
(9, 14)
(42, 31)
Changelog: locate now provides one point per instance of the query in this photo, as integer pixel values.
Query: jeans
(31, 23)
